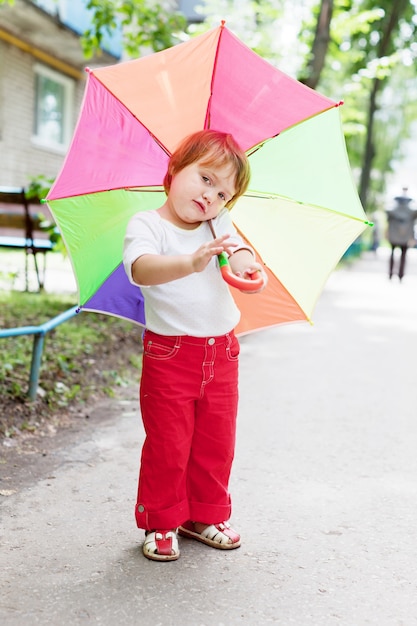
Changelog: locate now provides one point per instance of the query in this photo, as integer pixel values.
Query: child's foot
(220, 536)
(161, 545)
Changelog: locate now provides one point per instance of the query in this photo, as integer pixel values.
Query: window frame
(68, 84)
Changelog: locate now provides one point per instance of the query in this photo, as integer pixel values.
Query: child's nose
(208, 195)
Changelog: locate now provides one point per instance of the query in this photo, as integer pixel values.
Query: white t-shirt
(200, 304)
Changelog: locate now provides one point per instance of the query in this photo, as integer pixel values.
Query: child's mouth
(200, 206)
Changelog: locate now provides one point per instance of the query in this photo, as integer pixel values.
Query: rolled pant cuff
(209, 513)
(161, 520)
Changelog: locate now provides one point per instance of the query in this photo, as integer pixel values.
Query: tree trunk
(398, 8)
(369, 152)
(320, 44)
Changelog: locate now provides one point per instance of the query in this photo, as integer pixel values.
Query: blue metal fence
(38, 333)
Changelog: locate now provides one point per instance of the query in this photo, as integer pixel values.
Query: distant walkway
(378, 262)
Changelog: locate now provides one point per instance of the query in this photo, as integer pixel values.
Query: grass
(85, 358)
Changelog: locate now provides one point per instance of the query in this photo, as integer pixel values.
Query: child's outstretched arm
(156, 269)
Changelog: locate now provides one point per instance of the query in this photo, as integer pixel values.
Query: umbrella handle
(252, 284)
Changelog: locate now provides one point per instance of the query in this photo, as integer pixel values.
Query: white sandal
(161, 545)
(220, 536)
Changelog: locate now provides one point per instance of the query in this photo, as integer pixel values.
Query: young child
(189, 382)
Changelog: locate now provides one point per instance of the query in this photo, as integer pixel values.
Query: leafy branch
(144, 24)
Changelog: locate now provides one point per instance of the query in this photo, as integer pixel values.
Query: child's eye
(205, 178)
(222, 196)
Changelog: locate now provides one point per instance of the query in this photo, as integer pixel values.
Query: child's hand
(207, 251)
(244, 265)
(254, 268)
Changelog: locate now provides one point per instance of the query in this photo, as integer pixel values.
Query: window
(54, 94)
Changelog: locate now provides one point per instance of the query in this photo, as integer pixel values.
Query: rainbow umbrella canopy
(301, 211)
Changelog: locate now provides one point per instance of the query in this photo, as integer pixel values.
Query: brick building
(42, 80)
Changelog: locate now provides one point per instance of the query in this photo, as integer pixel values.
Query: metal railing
(38, 333)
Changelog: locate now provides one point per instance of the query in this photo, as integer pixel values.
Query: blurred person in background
(400, 233)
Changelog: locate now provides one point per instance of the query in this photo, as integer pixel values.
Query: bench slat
(18, 220)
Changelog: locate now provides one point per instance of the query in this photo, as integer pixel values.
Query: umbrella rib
(148, 189)
(268, 196)
(207, 120)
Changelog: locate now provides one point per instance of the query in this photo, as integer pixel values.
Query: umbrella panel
(309, 164)
(301, 244)
(93, 228)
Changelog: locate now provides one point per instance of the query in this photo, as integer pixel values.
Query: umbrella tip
(88, 70)
(339, 104)
(222, 23)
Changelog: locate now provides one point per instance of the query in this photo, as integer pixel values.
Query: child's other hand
(244, 265)
(254, 268)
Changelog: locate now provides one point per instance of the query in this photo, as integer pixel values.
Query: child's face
(199, 192)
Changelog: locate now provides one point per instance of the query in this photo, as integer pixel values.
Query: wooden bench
(21, 228)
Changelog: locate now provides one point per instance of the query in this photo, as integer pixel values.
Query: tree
(317, 57)
(144, 23)
(371, 44)
(260, 24)
(391, 38)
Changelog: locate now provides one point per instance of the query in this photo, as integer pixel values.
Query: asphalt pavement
(324, 488)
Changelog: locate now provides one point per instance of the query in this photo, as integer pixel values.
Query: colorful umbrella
(300, 213)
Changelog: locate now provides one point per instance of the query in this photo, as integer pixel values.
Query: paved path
(324, 486)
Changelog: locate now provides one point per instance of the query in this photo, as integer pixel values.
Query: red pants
(188, 399)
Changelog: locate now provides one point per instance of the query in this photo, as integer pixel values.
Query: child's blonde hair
(211, 148)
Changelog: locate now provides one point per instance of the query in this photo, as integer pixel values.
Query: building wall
(20, 157)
